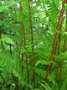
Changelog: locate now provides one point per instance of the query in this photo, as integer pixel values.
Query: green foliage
(6, 39)
(46, 86)
(44, 15)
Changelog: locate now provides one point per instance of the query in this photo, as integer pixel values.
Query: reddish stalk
(60, 24)
(59, 35)
(24, 40)
(32, 39)
(64, 48)
(56, 40)
(24, 43)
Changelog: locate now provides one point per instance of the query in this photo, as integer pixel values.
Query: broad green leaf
(7, 39)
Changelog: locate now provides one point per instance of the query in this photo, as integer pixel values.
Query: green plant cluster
(13, 64)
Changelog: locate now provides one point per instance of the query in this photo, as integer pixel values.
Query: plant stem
(2, 45)
(60, 19)
(10, 48)
(56, 40)
(64, 48)
(15, 81)
(32, 39)
(6, 85)
(27, 66)
(24, 43)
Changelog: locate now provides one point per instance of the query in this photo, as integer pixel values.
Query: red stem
(56, 40)
(24, 42)
(32, 39)
(64, 48)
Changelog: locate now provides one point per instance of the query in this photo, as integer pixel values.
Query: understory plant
(33, 45)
